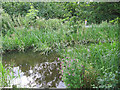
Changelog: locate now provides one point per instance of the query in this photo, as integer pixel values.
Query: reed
(5, 75)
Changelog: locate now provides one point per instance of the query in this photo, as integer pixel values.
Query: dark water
(34, 69)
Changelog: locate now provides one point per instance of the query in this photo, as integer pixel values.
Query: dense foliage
(91, 66)
(94, 12)
(89, 55)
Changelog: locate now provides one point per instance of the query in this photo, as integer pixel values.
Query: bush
(102, 57)
(77, 74)
(31, 16)
(16, 8)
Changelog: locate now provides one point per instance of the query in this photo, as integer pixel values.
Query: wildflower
(88, 50)
(57, 68)
(68, 84)
(69, 65)
(66, 66)
(74, 59)
(85, 22)
(62, 59)
(59, 76)
(62, 62)
(77, 60)
(62, 71)
(67, 57)
(71, 60)
(58, 59)
(72, 69)
(81, 65)
(72, 74)
(69, 73)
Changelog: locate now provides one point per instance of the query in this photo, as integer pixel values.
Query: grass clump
(6, 74)
(54, 34)
(77, 74)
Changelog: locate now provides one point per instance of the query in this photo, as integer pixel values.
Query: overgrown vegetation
(94, 12)
(89, 55)
(99, 62)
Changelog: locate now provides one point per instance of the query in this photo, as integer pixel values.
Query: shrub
(77, 74)
(31, 16)
(102, 57)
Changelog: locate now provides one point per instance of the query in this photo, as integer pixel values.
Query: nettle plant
(76, 74)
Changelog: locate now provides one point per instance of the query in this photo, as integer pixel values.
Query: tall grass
(46, 35)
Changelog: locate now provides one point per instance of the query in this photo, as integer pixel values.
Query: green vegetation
(6, 74)
(89, 55)
(100, 63)
(94, 12)
(52, 34)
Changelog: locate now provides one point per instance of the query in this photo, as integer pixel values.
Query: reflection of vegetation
(45, 74)
(42, 66)
(40, 73)
(27, 59)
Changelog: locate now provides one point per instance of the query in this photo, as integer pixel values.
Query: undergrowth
(93, 51)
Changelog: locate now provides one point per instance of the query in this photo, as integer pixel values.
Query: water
(33, 69)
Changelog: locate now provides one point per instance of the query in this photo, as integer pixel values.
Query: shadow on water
(34, 69)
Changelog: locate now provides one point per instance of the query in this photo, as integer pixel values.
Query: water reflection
(35, 70)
